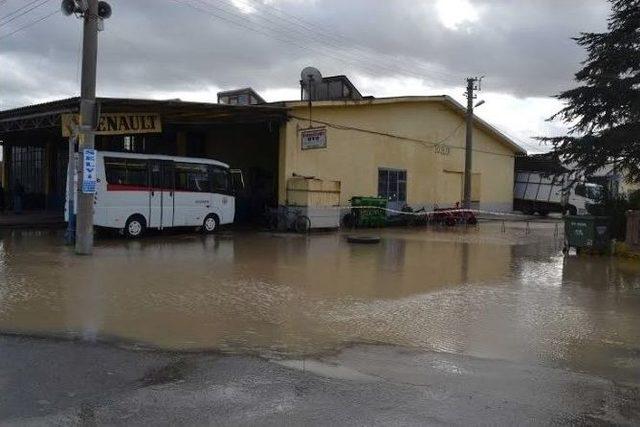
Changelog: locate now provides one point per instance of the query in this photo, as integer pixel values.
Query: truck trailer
(543, 185)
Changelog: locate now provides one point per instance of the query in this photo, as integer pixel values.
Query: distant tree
(604, 112)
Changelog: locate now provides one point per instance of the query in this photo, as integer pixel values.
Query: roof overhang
(47, 115)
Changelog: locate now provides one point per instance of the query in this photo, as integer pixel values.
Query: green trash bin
(369, 211)
(586, 232)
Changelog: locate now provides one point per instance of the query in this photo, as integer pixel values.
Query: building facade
(407, 149)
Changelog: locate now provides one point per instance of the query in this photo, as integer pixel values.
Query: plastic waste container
(367, 212)
(586, 232)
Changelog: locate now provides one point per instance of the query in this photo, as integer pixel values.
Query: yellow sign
(116, 123)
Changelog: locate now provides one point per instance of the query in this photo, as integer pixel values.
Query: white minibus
(135, 192)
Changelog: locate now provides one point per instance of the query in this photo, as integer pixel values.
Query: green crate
(586, 232)
(374, 217)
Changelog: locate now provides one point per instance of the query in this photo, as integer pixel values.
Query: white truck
(543, 192)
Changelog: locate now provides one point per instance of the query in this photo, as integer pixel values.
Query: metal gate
(26, 164)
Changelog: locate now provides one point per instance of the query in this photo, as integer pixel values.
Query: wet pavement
(449, 308)
(58, 383)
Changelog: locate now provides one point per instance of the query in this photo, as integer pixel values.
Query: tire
(210, 224)
(135, 227)
(302, 224)
(572, 210)
(367, 240)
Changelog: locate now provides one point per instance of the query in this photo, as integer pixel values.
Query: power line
(19, 9)
(14, 17)
(401, 137)
(355, 49)
(266, 31)
(333, 34)
(336, 35)
(30, 24)
(285, 34)
(306, 30)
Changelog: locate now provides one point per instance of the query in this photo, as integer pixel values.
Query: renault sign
(116, 123)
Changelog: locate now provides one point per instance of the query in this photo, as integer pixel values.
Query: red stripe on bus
(126, 187)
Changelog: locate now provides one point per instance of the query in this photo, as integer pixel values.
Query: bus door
(161, 194)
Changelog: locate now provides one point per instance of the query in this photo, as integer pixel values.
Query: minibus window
(192, 177)
(137, 172)
(122, 171)
(116, 170)
(219, 180)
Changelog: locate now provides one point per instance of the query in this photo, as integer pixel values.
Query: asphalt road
(45, 382)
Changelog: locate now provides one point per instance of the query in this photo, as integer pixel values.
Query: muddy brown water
(478, 292)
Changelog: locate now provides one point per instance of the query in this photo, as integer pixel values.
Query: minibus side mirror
(237, 180)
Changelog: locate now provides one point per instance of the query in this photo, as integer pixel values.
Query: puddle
(479, 292)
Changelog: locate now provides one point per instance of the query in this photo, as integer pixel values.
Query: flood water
(480, 292)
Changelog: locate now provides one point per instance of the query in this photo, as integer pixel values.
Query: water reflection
(479, 292)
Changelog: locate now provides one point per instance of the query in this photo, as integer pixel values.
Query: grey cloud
(523, 47)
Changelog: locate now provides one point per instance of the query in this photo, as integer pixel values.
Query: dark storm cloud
(164, 46)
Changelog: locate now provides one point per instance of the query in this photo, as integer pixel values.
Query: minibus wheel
(134, 227)
(210, 224)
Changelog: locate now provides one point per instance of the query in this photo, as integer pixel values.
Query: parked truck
(543, 186)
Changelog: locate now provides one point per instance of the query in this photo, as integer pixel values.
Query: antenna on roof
(310, 74)
(310, 77)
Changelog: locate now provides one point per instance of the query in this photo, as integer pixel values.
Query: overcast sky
(190, 49)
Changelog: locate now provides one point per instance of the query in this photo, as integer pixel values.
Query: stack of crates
(376, 216)
(317, 199)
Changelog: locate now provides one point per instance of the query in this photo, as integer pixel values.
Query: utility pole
(468, 158)
(84, 219)
(92, 12)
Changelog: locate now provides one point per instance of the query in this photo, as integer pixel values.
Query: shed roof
(173, 110)
(545, 162)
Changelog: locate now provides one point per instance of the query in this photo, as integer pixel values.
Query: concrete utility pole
(84, 219)
(471, 87)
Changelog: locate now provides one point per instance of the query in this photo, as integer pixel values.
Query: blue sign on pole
(89, 171)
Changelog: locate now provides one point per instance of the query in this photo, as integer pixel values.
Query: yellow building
(409, 149)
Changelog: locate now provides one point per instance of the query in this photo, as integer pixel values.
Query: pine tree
(604, 112)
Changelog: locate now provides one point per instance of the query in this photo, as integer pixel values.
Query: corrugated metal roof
(546, 162)
(171, 108)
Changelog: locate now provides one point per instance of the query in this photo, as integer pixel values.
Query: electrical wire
(266, 31)
(285, 35)
(355, 49)
(19, 9)
(42, 18)
(333, 34)
(400, 137)
(13, 16)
